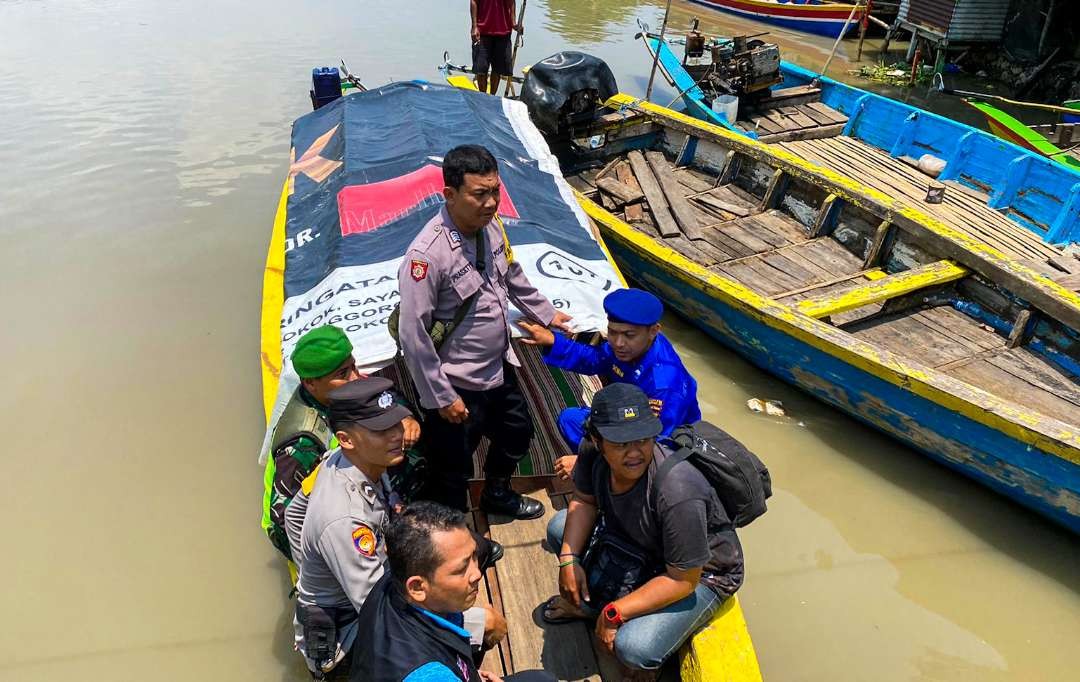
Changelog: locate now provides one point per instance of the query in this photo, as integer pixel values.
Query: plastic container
(325, 85)
(727, 106)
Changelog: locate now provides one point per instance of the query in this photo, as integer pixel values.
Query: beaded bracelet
(564, 564)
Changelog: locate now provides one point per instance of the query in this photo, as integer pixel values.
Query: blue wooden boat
(1017, 184)
(856, 295)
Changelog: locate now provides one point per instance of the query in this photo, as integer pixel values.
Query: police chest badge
(419, 270)
(365, 540)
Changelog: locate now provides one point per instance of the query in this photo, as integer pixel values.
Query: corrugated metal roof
(935, 14)
(962, 21)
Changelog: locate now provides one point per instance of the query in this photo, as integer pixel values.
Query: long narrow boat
(1017, 185)
(812, 16)
(857, 295)
(364, 179)
(1045, 139)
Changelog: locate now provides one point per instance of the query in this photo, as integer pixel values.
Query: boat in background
(831, 19)
(1023, 186)
(1044, 139)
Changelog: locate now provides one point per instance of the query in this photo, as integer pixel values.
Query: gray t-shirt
(685, 526)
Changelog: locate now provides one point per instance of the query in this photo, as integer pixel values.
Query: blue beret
(633, 306)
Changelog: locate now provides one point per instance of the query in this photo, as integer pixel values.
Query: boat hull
(825, 20)
(1027, 475)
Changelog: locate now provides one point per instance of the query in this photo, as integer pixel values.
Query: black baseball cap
(621, 413)
(369, 402)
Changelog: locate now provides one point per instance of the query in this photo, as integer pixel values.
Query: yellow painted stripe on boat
(273, 302)
(876, 273)
(463, 82)
(932, 274)
(853, 192)
(722, 651)
(1025, 425)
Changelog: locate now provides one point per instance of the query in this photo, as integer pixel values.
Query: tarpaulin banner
(367, 175)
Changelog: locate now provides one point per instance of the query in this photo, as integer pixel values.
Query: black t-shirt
(685, 526)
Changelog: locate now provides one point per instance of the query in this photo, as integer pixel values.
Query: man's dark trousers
(499, 413)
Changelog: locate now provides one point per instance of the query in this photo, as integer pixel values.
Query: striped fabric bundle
(548, 391)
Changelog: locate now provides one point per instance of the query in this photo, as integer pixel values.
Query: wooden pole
(843, 30)
(656, 56)
(509, 91)
(862, 28)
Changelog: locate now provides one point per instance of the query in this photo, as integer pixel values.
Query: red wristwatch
(612, 614)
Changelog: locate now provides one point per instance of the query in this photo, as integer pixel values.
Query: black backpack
(739, 478)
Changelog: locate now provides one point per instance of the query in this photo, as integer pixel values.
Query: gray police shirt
(341, 552)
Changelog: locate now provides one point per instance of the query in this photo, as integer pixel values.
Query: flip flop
(550, 604)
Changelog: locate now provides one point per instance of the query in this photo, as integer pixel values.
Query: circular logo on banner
(386, 400)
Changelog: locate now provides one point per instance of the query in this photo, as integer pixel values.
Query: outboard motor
(565, 90)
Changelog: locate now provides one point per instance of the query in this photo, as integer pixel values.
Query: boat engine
(564, 91)
(738, 66)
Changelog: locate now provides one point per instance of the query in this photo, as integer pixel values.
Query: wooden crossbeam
(932, 274)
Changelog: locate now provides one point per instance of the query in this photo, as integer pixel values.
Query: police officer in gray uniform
(468, 387)
(340, 551)
(341, 554)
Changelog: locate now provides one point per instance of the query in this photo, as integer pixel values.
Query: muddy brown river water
(143, 146)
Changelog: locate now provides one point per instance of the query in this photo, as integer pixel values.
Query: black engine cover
(565, 87)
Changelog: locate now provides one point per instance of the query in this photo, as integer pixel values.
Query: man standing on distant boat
(635, 353)
(460, 271)
(492, 23)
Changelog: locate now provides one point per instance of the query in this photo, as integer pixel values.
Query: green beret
(320, 351)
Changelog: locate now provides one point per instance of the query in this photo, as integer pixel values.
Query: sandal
(557, 602)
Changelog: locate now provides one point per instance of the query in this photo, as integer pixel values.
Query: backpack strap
(681, 451)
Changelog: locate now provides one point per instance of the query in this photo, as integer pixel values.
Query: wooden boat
(1015, 184)
(853, 291)
(1046, 139)
(341, 227)
(812, 16)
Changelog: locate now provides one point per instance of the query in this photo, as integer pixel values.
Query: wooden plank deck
(521, 582)
(964, 209)
(806, 121)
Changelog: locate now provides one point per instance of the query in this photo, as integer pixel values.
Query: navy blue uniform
(659, 373)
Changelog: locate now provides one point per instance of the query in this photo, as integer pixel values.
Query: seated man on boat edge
(635, 352)
(323, 359)
(460, 271)
(410, 628)
(665, 555)
(341, 552)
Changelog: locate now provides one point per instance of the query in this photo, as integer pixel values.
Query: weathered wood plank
(932, 274)
(563, 650)
(773, 191)
(606, 170)
(634, 212)
(675, 195)
(654, 196)
(1016, 336)
(709, 199)
(823, 219)
(873, 253)
(812, 133)
(619, 191)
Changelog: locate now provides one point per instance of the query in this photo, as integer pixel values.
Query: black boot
(487, 551)
(499, 498)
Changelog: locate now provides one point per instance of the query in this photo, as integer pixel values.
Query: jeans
(645, 642)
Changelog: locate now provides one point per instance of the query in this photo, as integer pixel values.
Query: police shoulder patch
(365, 540)
(418, 269)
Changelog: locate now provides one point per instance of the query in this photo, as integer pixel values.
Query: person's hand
(560, 322)
(564, 467)
(520, 28)
(475, 34)
(572, 584)
(494, 627)
(455, 412)
(538, 334)
(412, 432)
(605, 633)
(489, 676)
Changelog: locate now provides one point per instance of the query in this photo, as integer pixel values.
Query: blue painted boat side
(1030, 189)
(830, 28)
(1029, 476)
